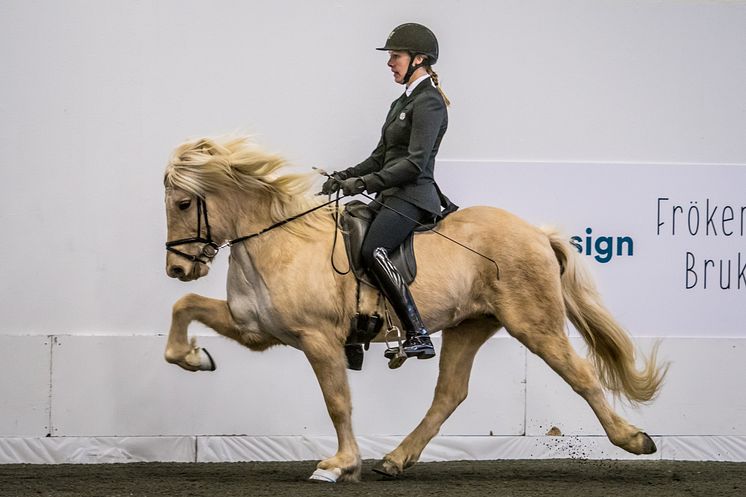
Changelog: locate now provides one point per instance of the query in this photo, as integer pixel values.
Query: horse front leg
(214, 314)
(328, 361)
(459, 347)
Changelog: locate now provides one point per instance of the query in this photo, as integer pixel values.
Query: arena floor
(462, 478)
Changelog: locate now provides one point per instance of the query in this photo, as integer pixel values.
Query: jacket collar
(416, 83)
(404, 99)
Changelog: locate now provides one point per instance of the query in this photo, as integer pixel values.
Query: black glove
(330, 186)
(352, 186)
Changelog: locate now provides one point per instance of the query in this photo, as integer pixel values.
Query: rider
(400, 171)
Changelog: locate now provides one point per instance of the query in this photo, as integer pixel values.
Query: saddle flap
(355, 220)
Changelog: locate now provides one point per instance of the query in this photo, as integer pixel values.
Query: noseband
(209, 249)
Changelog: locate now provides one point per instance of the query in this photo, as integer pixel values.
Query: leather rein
(211, 248)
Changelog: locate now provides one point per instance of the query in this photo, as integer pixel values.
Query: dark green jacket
(403, 163)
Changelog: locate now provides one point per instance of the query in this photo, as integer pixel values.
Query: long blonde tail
(611, 348)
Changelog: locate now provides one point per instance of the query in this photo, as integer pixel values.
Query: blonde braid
(434, 77)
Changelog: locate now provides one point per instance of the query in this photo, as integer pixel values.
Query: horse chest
(250, 301)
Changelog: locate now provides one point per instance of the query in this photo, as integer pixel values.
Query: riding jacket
(402, 164)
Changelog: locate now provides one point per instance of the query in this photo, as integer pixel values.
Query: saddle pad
(355, 221)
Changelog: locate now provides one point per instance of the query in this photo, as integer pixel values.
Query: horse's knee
(184, 303)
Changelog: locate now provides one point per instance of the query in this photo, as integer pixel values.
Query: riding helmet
(414, 38)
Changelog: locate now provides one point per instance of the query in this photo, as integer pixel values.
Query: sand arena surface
(462, 478)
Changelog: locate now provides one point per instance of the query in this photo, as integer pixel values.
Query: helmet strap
(412, 67)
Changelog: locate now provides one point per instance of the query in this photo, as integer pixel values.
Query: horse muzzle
(187, 272)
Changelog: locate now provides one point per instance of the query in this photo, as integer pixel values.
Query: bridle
(210, 248)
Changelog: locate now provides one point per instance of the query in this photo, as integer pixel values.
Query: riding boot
(417, 343)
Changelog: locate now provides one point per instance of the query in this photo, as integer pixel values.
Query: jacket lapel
(403, 100)
(395, 110)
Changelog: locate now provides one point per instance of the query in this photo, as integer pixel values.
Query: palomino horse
(282, 290)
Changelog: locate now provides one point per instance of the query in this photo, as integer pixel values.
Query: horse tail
(611, 348)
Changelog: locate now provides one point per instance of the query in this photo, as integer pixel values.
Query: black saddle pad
(355, 221)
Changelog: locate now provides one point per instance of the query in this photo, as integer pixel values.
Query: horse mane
(207, 165)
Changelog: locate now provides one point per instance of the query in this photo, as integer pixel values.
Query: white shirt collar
(414, 84)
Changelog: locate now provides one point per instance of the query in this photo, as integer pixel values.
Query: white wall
(94, 96)
(578, 113)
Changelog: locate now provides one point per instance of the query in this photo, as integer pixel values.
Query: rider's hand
(330, 186)
(352, 186)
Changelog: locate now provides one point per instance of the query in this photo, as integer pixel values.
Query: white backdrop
(94, 96)
(576, 113)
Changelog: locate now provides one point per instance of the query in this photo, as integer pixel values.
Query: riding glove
(352, 186)
(331, 185)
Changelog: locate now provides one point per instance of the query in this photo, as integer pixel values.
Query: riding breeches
(390, 228)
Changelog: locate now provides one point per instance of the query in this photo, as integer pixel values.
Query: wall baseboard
(187, 449)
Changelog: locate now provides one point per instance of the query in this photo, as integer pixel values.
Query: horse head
(191, 246)
(194, 170)
(236, 182)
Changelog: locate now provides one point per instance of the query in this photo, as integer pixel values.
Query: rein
(211, 248)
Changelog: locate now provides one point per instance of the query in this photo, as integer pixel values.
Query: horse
(282, 290)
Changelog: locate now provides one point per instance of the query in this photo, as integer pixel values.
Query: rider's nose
(176, 271)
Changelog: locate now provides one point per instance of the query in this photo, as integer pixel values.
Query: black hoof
(213, 366)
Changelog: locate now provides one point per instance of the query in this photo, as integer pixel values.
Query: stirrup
(418, 346)
(395, 355)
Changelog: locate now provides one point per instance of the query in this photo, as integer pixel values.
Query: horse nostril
(176, 271)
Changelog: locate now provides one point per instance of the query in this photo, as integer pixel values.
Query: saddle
(355, 221)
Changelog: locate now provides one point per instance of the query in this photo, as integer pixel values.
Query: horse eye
(184, 204)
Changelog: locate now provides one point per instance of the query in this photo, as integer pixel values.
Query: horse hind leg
(546, 338)
(459, 347)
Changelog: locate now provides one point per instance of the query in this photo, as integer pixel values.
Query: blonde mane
(210, 164)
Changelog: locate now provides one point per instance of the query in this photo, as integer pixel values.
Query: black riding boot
(417, 343)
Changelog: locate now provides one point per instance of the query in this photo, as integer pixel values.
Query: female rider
(400, 171)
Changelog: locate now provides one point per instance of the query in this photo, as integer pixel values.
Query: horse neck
(252, 212)
(247, 211)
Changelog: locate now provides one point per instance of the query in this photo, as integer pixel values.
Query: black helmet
(414, 38)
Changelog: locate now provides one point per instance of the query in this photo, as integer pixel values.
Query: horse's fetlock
(172, 357)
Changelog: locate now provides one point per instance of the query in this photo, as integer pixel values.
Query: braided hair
(434, 77)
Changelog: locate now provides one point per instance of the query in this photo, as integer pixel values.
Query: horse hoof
(386, 469)
(206, 363)
(648, 446)
(325, 476)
